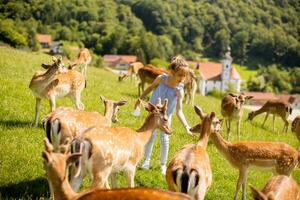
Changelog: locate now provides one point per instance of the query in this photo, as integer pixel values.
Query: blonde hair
(177, 62)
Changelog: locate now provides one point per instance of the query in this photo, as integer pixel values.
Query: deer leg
(114, 181)
(75, 182)
(238, 128)
(100, 178)
(273, 122)
(244, 186)
(52, 103)
(286, 125)
(130, 177)
(241, 180)
(76, 100)
(228, 128)
(37, 110)
(266, 117)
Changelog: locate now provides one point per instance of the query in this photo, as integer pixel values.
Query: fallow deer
(275, 107)
(84, 58)
(148, 73)
(278, 188)
(57, 81)
(189, 170)
(296, 127)
(120, 148)
(132, 70)
(64, 123)
(279, 156)
(231, 109)
(56, 165)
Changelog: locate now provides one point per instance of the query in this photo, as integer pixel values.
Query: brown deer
(110, 150)
(65, 123)
(278, 188)
(189, 170)
(231, 109)
(132, 70)
(56, 165)
(57, 81)
(279, 156)
(275, 107)
(296, 127)
(148, 73)
(84, 58)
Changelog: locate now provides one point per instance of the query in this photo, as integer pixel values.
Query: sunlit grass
(21, 168)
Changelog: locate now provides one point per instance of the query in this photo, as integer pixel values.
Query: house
(44, 40)
(119, 62)
(216, 76)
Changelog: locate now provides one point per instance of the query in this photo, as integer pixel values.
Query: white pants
(164, 146)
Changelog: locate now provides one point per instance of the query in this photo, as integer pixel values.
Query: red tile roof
(212, 71)
(43, 38)
(119, 58)
(262, 95)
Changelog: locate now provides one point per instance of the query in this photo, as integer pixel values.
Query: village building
(217, 76)
(45, 40)
(119, 62)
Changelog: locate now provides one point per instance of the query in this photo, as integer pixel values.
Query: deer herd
(81, 144)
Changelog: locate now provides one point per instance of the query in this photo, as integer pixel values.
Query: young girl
(167, 87)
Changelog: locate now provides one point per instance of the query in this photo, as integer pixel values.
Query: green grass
(21, 169)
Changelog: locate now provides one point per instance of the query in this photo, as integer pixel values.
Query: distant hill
(258, 32)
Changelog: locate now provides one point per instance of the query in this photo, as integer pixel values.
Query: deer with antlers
(231, 109)
(189, 170)
(275, 107)
(56, 165)
(120, 148)
(278, 188)
(65, 123)
(279, 156)
(57, 81)
(84, 58)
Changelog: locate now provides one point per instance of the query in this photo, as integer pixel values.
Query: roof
(119, 58)
(212, 70)
(44, 38)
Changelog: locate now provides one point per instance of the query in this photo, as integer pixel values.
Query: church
(216, 76)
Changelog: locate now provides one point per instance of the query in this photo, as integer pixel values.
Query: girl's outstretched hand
(188, 131)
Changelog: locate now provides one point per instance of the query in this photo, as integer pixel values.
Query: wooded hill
(264, 31)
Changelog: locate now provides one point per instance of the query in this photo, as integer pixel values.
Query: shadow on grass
(15, 123)
(32, 189)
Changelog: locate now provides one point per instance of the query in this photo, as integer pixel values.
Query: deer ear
(45, 66)
(46, 156)
(196, 128)
(221, 121)
(121, 103)
(199, 112)
(102, 98)
(165, 106)
(148, 106)
(233, 95)
(72, 158)
(249, 97)
(48, 145)
(212, 115)
(257, 194)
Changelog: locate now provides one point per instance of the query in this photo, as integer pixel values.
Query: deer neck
(220, 143)
(259, 111)
(144, 133)
(203, 139)
(62, 189)
(108, 113)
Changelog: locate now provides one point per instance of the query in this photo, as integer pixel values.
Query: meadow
(21, 168)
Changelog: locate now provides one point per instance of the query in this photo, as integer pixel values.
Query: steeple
(226, 69)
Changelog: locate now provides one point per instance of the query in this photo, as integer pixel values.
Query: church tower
(226, 70)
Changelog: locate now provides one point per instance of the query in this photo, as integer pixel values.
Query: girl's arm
(179, 112)
(151, 87)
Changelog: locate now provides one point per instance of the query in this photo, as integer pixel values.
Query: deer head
(112, 106)
(157, 116)
(57, 65)
(250, 116)
(240, 99)
(55, 164)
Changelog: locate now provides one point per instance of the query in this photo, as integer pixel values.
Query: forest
(258, 32)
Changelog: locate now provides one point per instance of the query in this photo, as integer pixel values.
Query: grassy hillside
(21, 169)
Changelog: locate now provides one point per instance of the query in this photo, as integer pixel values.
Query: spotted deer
(278, 188)
(57, 81)
(277, 156)
(110, 150)
(275, 107)
(189, 170)
(231, 109)
(65, 123)
(56, 166)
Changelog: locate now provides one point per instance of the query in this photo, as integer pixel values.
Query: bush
(9, 34)
(216, 93)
